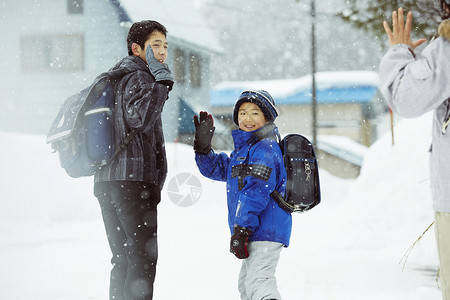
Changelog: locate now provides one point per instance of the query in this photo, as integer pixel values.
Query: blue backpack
(83, 131)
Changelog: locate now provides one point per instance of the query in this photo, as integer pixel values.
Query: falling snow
(348, 247)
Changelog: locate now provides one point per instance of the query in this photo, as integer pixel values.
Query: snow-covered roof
(343, 147)
(180, 17)
(331, 87)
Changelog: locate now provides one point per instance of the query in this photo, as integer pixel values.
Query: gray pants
(257, 276)
(442, 221)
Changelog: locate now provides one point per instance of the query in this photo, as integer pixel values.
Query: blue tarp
(357, 94)
(186, 115)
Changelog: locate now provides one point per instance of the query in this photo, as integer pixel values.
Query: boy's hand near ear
(159, 70)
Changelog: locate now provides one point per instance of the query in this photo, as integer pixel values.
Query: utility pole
(313, 73)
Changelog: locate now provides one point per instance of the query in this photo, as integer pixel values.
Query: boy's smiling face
(250, 117)
(157, 41)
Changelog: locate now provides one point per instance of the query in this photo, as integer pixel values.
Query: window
(195, 70)
(74, 7)
(179, 66)
(52, 53)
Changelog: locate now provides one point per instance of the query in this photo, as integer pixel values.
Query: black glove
(159, 70)
(239, 240)
(204, 130)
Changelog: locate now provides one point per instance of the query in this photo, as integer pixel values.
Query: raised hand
(204, 130)
(401, 30)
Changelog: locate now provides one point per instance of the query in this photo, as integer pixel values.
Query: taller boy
(128, 189)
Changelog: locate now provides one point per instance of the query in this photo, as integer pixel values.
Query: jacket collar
(243, 138)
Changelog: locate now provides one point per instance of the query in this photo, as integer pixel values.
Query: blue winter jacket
(252, 172)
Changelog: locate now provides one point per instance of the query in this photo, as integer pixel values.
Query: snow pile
(392, 195)
(349, 247)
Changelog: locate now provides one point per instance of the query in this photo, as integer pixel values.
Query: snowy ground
(54, 247)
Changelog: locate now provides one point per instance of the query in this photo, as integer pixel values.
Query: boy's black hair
(140, 31)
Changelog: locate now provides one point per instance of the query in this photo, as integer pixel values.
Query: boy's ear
(136, 49)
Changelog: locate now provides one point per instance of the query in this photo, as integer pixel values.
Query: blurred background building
(51, 49)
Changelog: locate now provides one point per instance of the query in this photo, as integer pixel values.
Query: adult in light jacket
(412, 86)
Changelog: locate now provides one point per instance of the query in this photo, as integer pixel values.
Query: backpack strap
(282, 203)
(276, 196)
(271, 131)
(115, 76)
(124, 144)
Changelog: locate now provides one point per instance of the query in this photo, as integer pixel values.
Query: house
(340, 155)
(51, 49)
(347, 112)
(348, 102)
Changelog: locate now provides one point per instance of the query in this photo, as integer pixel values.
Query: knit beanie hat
(259, 97)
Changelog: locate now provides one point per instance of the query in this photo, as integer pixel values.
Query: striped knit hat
(259, 97)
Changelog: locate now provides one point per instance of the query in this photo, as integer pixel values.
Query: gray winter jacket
(413, 86)
(139, 104)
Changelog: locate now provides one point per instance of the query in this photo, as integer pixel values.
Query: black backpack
(83, 131)
(302, 184)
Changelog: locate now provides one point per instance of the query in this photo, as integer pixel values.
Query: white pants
(257, 276)
(442, 221)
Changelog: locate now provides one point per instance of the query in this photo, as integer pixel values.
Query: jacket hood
(242, 138)
(132, 63)
(126, 65)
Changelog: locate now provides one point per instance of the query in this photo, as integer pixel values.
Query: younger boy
(259, 227)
